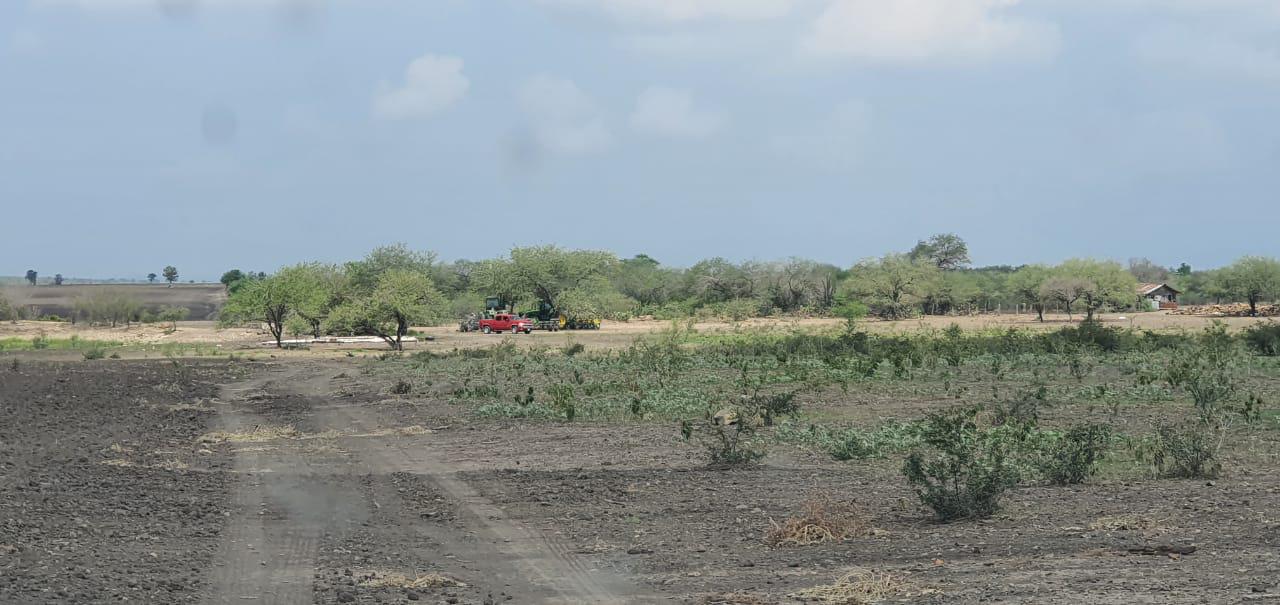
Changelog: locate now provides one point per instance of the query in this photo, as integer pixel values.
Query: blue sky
(254, 133)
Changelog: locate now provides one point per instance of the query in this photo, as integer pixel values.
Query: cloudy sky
(253, 133)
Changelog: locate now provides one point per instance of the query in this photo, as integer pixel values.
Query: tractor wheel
(486, 330)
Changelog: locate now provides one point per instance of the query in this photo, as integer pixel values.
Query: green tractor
(549, 318)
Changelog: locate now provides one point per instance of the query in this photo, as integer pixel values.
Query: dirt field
(203, 300)
(306, 481)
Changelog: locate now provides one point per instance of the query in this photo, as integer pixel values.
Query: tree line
(395, 287)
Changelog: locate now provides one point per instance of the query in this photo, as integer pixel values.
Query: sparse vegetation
(966, 468)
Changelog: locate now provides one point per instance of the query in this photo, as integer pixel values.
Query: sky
(211, 134)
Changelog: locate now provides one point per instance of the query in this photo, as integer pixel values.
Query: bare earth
(300, 482)
(613, 334)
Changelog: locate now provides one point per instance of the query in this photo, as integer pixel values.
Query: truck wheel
(486, 329)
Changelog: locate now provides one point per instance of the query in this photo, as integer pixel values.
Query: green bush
(1074, 456)
(1264, 338)
(966, 472)
(1208, 370)
(94, 353)
(1187, 451)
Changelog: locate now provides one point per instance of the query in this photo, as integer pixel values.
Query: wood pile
(1227, 310)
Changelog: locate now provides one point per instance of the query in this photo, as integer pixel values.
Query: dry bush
(399, 580)
(859, 587)
(732, 598)
(1125, 523)
(822, 520)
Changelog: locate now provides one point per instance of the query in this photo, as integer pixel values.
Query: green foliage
(1072, 457)
(946, 251)
(401, 298)
(966, 470)
(1185, 451)
(170, 274)
(1264, 338)
(364, 275)
(269, 301)
(1253, 279)
(94, 353)
(1208, 370)
(892, 285)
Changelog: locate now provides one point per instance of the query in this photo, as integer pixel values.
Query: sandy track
(285, 502)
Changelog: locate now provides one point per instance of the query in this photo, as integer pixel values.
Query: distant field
(203, 300)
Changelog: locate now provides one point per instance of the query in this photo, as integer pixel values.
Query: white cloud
(680, 11)
(906, 31)
(1183, 50)
(669, 112)
(563, 119)
(432, 83)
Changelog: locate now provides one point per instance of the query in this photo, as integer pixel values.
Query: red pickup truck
(503, 322)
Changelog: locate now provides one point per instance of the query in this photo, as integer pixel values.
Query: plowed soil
(300, 482)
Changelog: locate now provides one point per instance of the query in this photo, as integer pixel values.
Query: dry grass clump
(172, 464)
(821, 520)
(732, 598)
(399, 580)
(1124, 523)
(858, 587)
(259, 434)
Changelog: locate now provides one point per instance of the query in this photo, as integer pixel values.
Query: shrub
(1187, 451)
(94, 353)
(1207, 370)
(1264, 338)
(967, 473)
(1074, 456)
(402, 387)
(728, 436)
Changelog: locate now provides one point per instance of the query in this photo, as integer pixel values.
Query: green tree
(1100, 284)
(151, 277)
(402, 298)
(227, 280)
(497, 277)
(170, 274)
(1025, 284)
(1253, 279)
(1063, 290)
(269, 301)
(548, 271)
(314, 290)
(57, 279)
(645, 280)
(365, 274)
(946, 251)
(32, 276)
(891, 285)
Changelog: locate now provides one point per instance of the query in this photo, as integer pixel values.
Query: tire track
(270, 543)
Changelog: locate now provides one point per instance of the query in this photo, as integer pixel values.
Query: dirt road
(304, 504)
